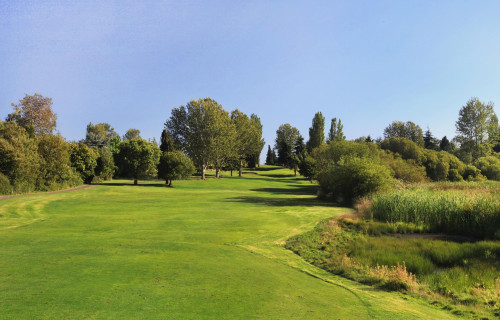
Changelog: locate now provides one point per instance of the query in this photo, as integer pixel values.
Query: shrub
(353, 177)
(471, 173)
(308, 167)
(489, 167)
(175, 165)
(405, 170)
(5, 187)
(404, 147)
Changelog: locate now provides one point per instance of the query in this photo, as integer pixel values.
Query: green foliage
(55, 164)
(307, 166)
(247, 139)
(175, 165)
(204, 131)
(405, 170)
(19, 158)
(5, 187)
(430, 142)
(253, 159)
(132, 134)
(35, 114)
(84, 159)
(316, 132)
(99, 135)
(352, 177)
(139, 158)
(408, 130)
(404, 147)
(476, 120)
(489, 166)
(166, 142)
(286, 137)
(105, 168)
(336, 131)
(452, 212)
(471, 173)
(270, 157)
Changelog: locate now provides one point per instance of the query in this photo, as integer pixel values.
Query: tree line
(347, 169)
(196, 136)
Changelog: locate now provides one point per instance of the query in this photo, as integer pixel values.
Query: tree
(474, 120)
(430, 142)
(316, 132)
(445, 144)
(105, 168)
(286, 136)
(132, 134)
(299, 147)
(55, 161)
(204, 131)
(19, 159)
(166, 141)
(253, 160)
(270, 157)
(99, 135)
(140, 158)
(408, 130)
(35, 114)
(174, 165)
(84, 160)
(247, 137)
(336, 131)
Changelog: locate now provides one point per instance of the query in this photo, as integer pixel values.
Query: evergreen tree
(270, 156)
(336, 131)
(166, 141)
(444, 144)
(300, 147)
(316, 132)
(430, 142)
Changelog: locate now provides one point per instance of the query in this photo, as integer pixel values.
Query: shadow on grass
(292, 189)
(131, 184)
(282, 202)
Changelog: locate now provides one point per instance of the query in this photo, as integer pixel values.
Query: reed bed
(452, 211)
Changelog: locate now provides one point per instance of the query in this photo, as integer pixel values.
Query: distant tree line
(349, 169)
(34, 157)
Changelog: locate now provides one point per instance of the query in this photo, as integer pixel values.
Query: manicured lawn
(203, 250)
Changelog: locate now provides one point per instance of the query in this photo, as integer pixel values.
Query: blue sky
(129, 63)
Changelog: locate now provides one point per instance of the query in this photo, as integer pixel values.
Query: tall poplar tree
(316, 132)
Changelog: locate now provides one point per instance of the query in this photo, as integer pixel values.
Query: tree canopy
(316, 132)
(35, 114)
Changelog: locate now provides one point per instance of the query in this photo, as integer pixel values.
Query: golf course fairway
(203, 250)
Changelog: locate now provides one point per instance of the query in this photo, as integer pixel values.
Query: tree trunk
(241, 165)
(135, 180)
(231, 172)
(295, 172)
(203, 172)
(217, 173)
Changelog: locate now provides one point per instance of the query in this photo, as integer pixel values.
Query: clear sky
(367, 62)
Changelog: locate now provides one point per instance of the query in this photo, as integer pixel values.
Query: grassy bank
(461, 277)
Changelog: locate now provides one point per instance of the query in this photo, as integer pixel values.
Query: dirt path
(59, 191)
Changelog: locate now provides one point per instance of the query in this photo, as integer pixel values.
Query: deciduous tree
(316, 132)
(35, 114)
(140, 158)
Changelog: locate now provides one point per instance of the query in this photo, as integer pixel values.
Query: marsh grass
(463, 277)
(454, 209)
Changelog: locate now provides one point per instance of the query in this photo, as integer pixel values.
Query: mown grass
(202, 250)
(462, 277)
(471, 210)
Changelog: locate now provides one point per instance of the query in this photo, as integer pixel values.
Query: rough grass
(472, 210)
(202, 250)
(462, 277)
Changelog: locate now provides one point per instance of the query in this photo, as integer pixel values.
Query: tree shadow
(131, 184)
(282, 202)
(292, 189)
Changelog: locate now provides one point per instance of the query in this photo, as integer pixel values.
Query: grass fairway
(202, 250)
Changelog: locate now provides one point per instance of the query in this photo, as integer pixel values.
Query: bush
(308, 167)
(405, 170)
(175, 165)
(404, 147)
(489, 167)
(352, 178)
(471, 173)
(5, 187)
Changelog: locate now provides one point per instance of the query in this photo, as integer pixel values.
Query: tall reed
(449, 211)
